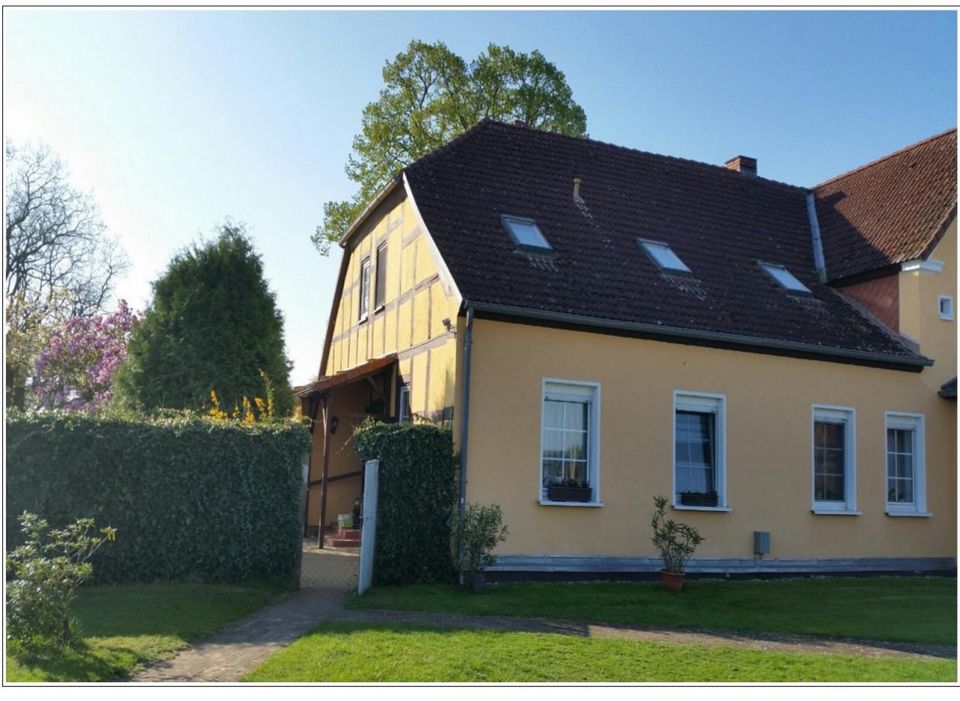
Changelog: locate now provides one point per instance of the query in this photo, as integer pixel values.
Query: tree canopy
(431, 95)
(212, 326)
(59, 261)
(76, 369)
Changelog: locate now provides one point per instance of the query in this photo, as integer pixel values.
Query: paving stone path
(326, 578)
(329, 576)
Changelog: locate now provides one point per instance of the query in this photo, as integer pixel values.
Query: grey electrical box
(761, 542)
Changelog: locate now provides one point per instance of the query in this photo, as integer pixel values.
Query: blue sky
(177, 119)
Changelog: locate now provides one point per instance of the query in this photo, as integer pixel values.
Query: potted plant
(675, 542)
(569, 490)
(475, 536)
(699, 498)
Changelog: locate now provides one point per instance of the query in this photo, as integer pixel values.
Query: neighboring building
(626, 325)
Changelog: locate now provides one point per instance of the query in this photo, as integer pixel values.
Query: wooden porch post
(326, 470)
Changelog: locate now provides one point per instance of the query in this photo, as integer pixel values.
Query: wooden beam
(326, 469)
(376, 389)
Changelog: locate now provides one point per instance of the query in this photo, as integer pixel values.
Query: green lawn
(357, 652)
(123, 626)
(905, 609)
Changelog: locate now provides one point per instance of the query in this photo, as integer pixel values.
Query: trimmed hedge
(190, 498)
(417, 495)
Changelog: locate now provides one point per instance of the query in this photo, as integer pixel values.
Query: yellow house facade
(601, 326)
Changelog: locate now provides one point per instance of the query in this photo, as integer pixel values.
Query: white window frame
(949, 315)
(663, 256)
(847, 416)
(363, 311)
(702, 402)
(404, 414)
(380, 278)
(508, 220)
(575, 390)
(915, 423)
(783, 277)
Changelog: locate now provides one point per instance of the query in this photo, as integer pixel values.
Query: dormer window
(664, 257)
(784, 277)
(525, 232)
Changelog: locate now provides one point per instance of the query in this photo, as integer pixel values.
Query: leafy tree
(58, 261)
(431, 95)
(76, 369)
(213, 324)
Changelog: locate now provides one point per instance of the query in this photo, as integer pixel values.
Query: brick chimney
(743, 165)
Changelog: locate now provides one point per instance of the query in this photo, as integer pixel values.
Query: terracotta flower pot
(672, 580)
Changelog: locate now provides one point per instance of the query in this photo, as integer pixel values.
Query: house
(601, 325)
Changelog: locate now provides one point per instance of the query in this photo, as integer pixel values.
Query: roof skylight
(524, 232)
(663, 255)
(783, 276)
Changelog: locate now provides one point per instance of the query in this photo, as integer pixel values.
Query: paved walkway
(328, 576)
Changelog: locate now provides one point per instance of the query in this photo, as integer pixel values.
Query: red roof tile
(889, 211)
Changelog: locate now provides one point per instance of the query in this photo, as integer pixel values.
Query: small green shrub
(675, 541)
(46, 571)
(417, 489)
(475, 536)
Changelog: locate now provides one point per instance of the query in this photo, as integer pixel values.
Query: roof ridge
(687, 161)
(488, 121)
(876, 161)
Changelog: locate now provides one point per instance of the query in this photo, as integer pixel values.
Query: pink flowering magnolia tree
(76, 370)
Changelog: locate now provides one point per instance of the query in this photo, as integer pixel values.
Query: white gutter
(924, 266)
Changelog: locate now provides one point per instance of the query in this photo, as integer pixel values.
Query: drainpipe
(818, 260)
(465, 413)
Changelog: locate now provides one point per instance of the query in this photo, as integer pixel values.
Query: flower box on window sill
(556, 492)
(699, 498)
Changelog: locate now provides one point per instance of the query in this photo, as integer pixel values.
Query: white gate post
(368, 534)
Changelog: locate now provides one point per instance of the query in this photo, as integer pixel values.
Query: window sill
(909, 514)
(379, 309)
(362, 319)
(835, 512)
(588, 504)
(686, 507)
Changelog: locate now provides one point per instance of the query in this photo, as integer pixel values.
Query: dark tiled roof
(948, 390)
(889, 211)
(719, 222)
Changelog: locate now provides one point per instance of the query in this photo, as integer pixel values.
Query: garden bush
(417, 490)
(46, 571)
(191, 498)
(475, 536)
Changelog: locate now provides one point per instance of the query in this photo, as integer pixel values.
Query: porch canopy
(325, 384)
(334, 406)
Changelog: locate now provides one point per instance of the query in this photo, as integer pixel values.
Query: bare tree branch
(58, 262)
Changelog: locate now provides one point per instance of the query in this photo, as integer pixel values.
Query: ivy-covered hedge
(190, 498)
(417, 494)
